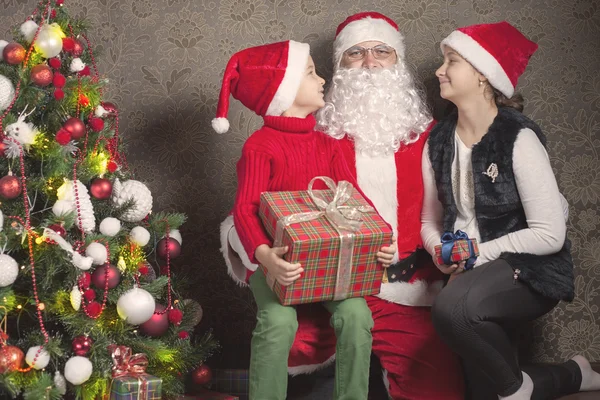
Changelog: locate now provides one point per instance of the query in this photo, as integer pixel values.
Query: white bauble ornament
(175, 234)
(7, 92)
(110, 226)
(76, 65)
(136, 190)
(62, 207)
(49, 40)
(78, 370)
(75, 298)
(86, 220)
(28, 29)
(60, 383)
(3, 44)
(140, 236)
(9, 270)
(136, 306)
(42, 359)
(98, 253)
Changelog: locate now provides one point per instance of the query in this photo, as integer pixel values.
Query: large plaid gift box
(142, 387)
(334, 234)
(457, 247)
(233, 381)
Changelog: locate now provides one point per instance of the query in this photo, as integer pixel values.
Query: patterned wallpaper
(164, 60)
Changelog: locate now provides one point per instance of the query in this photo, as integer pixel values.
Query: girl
(486, 172)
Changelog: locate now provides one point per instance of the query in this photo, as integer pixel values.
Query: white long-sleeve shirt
(545, 208)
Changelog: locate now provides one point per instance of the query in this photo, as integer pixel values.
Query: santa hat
(363, 27)
(264, 78)
(498, 51)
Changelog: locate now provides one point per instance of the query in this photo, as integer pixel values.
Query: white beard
(379, 109)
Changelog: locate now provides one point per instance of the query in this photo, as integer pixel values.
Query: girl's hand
(453, 269)
(386, 254)
(281, 270)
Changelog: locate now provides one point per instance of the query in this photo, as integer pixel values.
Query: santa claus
(377, 112)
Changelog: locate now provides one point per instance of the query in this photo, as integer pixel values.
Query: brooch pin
(492, 172)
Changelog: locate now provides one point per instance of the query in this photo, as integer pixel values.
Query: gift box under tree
(334, 234)
(130, 380)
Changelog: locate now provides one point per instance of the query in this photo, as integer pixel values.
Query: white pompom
(42, 359)
(3, 44)
(75, 298)
(220, 125)
(9, 270)
(28, 29)
(140, 236)
(62, 207)
(136, 306)
(60, 383)
(98, 253)
(77, 65)
(78, 370)
(175, 234)
(110, 226)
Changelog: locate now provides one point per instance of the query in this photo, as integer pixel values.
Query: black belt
(403, 270)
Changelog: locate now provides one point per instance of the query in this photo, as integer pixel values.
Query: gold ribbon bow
(345, 219)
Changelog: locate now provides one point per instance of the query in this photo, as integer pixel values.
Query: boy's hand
(281, 270)
(386, 254)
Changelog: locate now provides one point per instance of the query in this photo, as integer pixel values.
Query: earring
(480, 83)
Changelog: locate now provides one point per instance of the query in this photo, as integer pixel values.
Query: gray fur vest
(498, 207)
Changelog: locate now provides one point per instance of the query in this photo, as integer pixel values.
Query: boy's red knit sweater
(283, 155)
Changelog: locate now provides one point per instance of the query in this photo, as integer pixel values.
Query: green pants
(274, 334)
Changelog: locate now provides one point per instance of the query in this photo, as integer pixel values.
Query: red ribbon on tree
(125, 363)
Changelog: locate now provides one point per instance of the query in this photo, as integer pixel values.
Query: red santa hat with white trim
(364, 27)
(265, 79)
(499, 51)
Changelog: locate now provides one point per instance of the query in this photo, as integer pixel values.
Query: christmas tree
(85, 266)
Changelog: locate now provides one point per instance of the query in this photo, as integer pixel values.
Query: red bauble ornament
(85, 279)
(171, 247)
(99, 276)
(82, 345)
(11, 358)
(89, 295)
(85, 71)
(54, 62)
(75, 127)
(144, 269)
(3, 148)
(158, 324)
(59, 80)
(183, 335)
(63, 136)
(59, 95)
(101, 188)
(10, 187)
(175, 316)
(97, 124)
(77, 48)
(13, 53)
(58, 229)
(109, 107)
(94, 309)
(112, 166)
(68, 44)
(41, 75)
(202, 375)
(59, 2)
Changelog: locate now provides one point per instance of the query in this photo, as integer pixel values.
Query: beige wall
(164, 60)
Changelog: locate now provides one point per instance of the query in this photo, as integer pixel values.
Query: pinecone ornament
(66, 195)
(136, 190)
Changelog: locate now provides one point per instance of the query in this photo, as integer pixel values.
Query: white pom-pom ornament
(140, 236)
(28, 29)
(136, 306)
(9, 270)
(75, 298)
(110, 226)
(98, 253)
(42, 359)
(131, 189)
(78, 370)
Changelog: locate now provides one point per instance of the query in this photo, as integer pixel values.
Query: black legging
(473, 314)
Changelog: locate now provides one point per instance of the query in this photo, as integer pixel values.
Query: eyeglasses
(380, 52)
